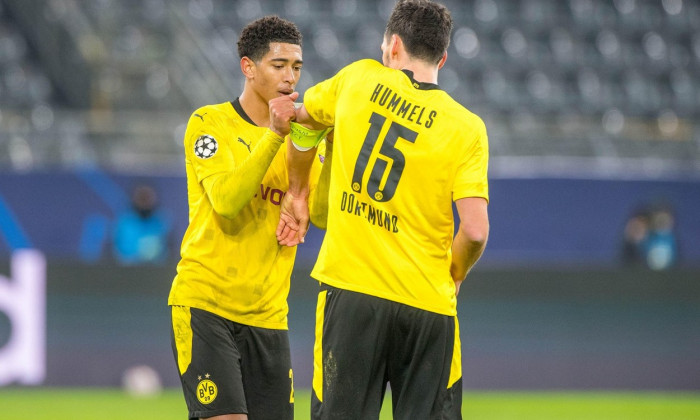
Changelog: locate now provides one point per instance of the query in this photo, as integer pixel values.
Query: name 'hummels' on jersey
(399, 164)
(415, 113)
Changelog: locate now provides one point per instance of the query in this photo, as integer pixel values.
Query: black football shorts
(229, 368)
(364, 342)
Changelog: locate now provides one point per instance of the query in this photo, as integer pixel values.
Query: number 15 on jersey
(388, 154)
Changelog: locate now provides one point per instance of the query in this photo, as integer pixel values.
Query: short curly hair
(424, 27)
(256, 37)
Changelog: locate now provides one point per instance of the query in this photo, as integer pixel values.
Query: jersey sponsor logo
(240, 140)
(274, 195)
(351, 204)
(201, 116)
(384, 96)
(206, 390)
(205, 146)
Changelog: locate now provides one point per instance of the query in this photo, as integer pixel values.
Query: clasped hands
(294, 219)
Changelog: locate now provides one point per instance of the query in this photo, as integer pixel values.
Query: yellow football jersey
(233, 267)
(404, 150)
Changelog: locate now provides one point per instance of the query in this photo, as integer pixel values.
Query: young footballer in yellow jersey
(229, 297)
(390, 265)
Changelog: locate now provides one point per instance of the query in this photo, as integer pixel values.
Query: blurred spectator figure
(635, 235)
(141, 233)
(661, 248)
(650, 239)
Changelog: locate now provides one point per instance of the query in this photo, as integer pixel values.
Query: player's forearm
(230, 192)
(298, 168)
(467, 248)
(319, 197)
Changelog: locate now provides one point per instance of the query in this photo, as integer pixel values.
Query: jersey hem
(387, 296)
(228, 316)
(469, 194)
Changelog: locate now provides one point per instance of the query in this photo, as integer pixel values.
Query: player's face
(277, 73)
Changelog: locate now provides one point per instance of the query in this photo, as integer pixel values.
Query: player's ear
(247, 67)
(395, 43)
(442, 60)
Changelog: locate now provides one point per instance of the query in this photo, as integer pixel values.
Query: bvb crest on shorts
(206, 390)
(205, 146)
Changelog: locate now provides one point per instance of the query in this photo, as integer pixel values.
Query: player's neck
(424, 74)
(257, 109)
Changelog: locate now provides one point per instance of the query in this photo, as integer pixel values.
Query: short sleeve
(320, 100)
(471, 179)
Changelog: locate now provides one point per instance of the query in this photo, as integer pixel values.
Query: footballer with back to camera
(229, 297)
(390, 265)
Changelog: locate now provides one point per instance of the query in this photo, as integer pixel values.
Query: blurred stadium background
(593, 112)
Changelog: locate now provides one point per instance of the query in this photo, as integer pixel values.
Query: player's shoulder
(368, 63)
(363, 66)
(459, 110)
(472, 117)
(211, 114)
(208, 121)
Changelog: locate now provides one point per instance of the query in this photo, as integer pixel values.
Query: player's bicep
(473, 212)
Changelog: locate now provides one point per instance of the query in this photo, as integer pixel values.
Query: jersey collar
(420, 85)
(236, 103)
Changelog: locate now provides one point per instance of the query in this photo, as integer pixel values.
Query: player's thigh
(349, 354)
(425, 367)
(266, 365)
(208, 363)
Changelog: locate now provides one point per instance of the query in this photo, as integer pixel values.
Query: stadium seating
(580, 78)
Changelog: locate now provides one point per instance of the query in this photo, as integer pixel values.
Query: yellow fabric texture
(182, 331)
(403, 151)
(456, 366)
(233, 267)
(229, 192)
(317, 381)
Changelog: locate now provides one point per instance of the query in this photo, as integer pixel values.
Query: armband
(304, 138)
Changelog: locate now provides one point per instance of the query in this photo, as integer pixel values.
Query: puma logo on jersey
(200, 116)
(244, 143)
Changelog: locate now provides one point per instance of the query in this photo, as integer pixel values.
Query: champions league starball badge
(205, 147)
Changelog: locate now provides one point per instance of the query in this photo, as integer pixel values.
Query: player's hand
(282, 112)
(294, 219)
